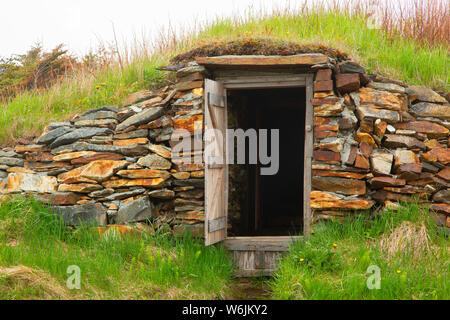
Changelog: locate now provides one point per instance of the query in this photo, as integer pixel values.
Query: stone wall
(114, 165)
(377, 141)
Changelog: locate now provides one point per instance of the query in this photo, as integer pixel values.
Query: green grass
(397, 57)
(149, 266)
(333, 263)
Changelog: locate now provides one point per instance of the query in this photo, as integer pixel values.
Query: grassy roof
(256, 46)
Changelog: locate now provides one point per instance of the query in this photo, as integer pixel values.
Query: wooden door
(216, 172)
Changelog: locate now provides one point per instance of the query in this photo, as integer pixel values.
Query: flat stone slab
(52, 135)
(135, 211)
(425, 109)
(87, 214)
(77, 134)
(31, 183)
(141, 118)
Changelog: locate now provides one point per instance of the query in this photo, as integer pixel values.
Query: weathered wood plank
(278, 244)
(309, 141)
(215, 179)
(217, 224)
(265, 85)
(272, 61)
(256, 263)
(262, 79)
(233, 73)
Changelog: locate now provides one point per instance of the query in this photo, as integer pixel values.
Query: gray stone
(424, 94)
(3, 174)
(135, 211)
(101, 140)
(351, 67)
(154, 161)
(135, 109)
(110, 123)
(83, 133)
(55, 125)
(372, 113)
(98, 115)
(9, 154)
(123, 195)
(198, 183)
(187, 97)
(189, 70)
(442, 196)
(390, 129)
(101, 193)
(381, 162)
(141, 133)
(425, 109)
(133, 150)
(391, 87)
(12, 162)
(141, 118)
(349, 120)
(398, 141)
(161, 135)
(87, 214)
(105, 108)
(52, 135)
(428, 167)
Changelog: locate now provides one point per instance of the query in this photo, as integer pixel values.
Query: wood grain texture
(215, 175)
(309, 141)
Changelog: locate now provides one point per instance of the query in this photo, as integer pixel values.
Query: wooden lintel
(308, 59)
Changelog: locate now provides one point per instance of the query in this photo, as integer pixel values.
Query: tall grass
(411, 45)
(334, 263)
(148, 266)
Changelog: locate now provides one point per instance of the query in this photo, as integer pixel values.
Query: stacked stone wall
(377, 142)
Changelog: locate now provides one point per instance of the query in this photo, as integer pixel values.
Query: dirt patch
(250, 289)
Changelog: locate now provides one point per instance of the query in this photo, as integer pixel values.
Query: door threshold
(265, 243)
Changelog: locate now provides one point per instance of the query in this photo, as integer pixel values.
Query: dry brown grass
(22, 277)
(407, 239)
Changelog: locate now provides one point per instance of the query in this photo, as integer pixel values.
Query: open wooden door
(216, 175)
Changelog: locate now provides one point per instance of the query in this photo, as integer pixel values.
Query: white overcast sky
(79, 24)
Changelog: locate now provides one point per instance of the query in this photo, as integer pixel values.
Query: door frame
(303, 80)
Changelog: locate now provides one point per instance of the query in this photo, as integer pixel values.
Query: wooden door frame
(304, 80)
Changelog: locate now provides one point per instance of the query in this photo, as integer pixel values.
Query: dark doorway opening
(268, 205)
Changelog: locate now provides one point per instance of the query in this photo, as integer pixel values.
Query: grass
(410, 252)
(411, 48)
(36, 251)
